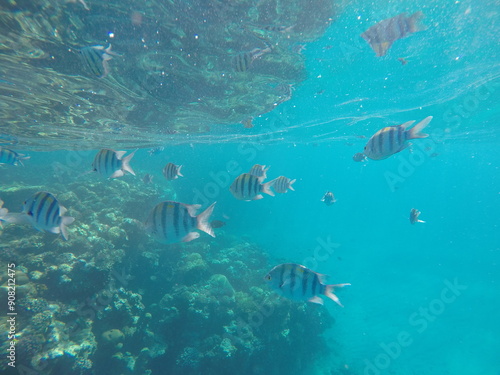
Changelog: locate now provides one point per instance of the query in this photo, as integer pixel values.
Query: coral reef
(112, 300)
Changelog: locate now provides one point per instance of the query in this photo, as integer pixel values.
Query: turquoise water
(424, 297)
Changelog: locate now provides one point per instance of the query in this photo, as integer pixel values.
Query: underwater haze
(124, 265)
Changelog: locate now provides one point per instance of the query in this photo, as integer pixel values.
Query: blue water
(424, 297)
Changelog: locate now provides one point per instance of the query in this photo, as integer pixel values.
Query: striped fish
(282, 184)
(96, 58)
(248, 187)
(299, 283)
(414, 214)
(44, 212)
(172, 171)
(171, 222)
(11, 157)
(328, 198)
(243, 61)
(392, 139)
(382, 35)
(112, 163)
(259, 171)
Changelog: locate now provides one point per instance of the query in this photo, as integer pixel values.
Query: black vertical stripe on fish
(305, 279)
(314, 284)
(163, 217)
(49, 215)
(401, 132)
(29, 211)
(176, 220)
(40, 205)
(252, 191)
(381, 142)
(185, 223)
(292, 280)
(391, 138)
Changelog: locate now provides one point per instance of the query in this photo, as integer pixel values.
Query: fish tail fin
(179, 171)
(415, 131)
(203, 223)
(266, 188)
(414, 22)
(290, 184)
(126, 163)
(420, 221)
(329, 292)
(66, 220)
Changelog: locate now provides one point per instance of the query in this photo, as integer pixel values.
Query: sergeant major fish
(282, 184)
(147, 179)
(43, 211)
(11, 157)
(299, 283)
(96, 58)
(328, 198)
(244, 60)
(414, 214)
(392, 139)
(359, 157)
(248, 187)
(112, 163)
(259, 171)
(382, 35)
(170, 222)
(172, 171)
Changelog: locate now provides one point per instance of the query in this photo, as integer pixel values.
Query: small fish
(147, 179)
(243, 61)
(282, 184)
(247, 123)
(402, 60)
(112, 163)
(382, 35)
(414, 214)
(155, 150)
(259, 171)
(359, 156)
(11, 157)
(44, 212)
(328, 198)
(172, 171)
(299, 283)
(279, 29)
(214, 223)
(170, 222)
(248, 187)
(96, 58)
(392, 139)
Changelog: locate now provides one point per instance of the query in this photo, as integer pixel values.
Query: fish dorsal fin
(193, 208)
(119, 154)
(322, 277)
(407, 124)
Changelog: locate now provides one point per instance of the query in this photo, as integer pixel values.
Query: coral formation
(112, 295)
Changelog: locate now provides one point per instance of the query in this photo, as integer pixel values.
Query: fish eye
(268, 277)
